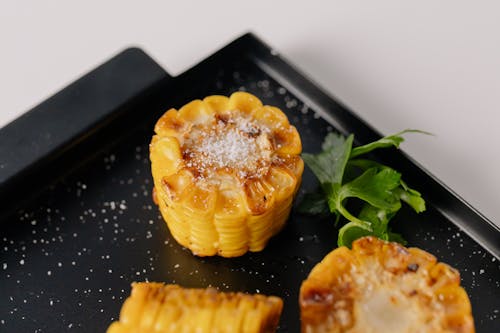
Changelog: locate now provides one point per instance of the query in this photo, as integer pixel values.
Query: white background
(431, 65)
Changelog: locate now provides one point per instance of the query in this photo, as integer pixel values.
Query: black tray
(78, 224)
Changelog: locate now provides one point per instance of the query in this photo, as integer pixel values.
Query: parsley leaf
(350, 232)
(329, 165)
(411, 197)
(385, 142)
(375, 187)
(343, 177)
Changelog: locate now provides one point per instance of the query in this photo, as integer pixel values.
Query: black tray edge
(48, 132)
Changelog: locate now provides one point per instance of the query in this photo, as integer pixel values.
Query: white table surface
(431, 65)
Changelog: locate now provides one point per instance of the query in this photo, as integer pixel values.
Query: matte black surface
(68, 255)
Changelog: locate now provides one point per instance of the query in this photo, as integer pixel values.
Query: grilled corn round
(155, 307)
(225, 173)
(383, 287)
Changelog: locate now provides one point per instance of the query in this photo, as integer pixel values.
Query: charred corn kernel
(225, 171)
(380, 286)
(155, 307)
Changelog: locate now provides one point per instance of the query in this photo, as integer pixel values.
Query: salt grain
(239, 143)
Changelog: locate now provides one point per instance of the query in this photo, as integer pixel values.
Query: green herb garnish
(343, 174)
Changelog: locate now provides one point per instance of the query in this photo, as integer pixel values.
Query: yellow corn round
(214, 199)
(380, 286)
(156, 307)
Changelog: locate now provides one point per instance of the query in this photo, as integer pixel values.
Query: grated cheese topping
(388, 302)
(235, 143)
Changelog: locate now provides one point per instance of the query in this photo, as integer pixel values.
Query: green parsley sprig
(343, 174)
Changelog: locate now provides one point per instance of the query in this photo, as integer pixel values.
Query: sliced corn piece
(210, 205)
(383, 287)
(158, 308)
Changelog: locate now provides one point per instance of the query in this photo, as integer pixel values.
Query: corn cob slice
(225, 172)
(383, 287)
(155, 307)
